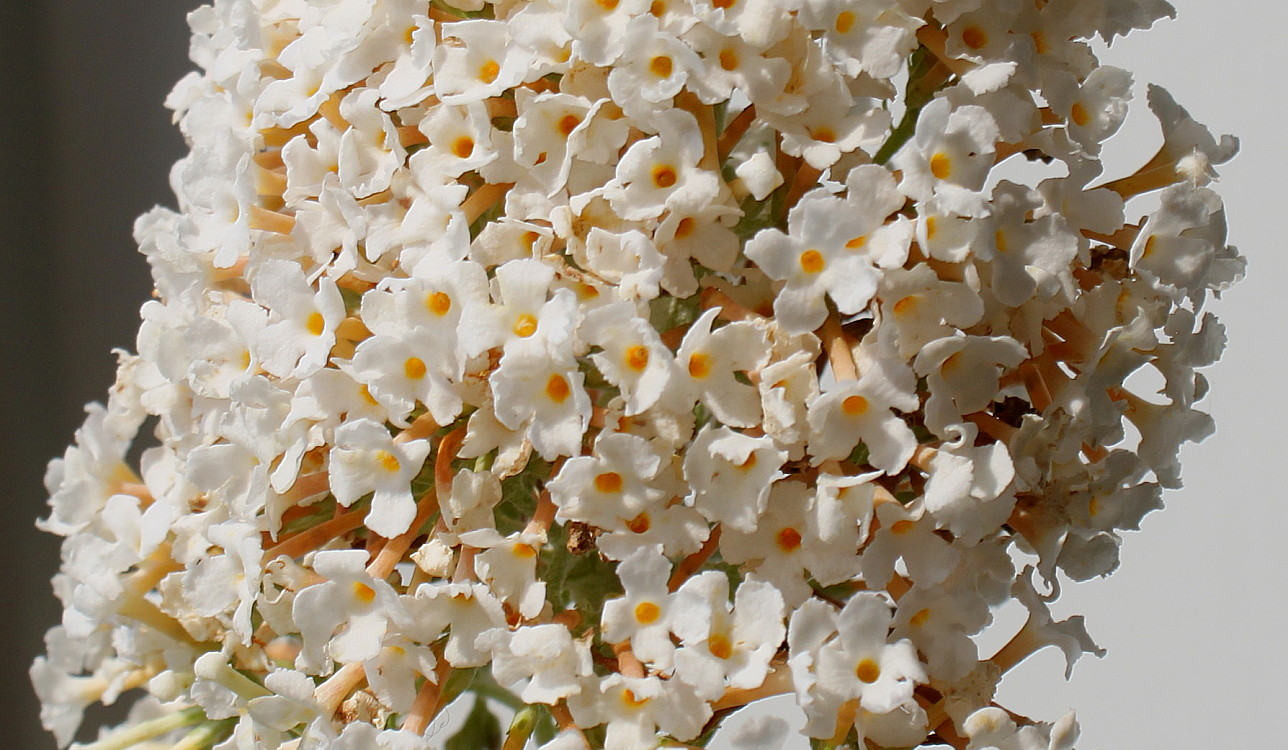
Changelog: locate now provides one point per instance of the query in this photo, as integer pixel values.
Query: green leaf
(667, 312)
(546, 726)
(352, 301)
(481, 731)
(920, 90)
(519, 496)
(581, 581)
(757, 215)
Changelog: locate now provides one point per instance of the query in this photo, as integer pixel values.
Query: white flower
(633, 357)
(833, 246)
(949, 157)
(302, 322)
(366, 459)
(854, 411)
(991, 728)
(546, 397)
(861, 662)
(708, 360)
(483, 63)
(350, 598)
(542, 663)
(612, 485)
(643, 615)
(635, 708)
(508, 565)
(662, 172)
(730, 475)
(726, 644)
(662, 273)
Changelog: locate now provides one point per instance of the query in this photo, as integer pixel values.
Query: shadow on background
(85, 146)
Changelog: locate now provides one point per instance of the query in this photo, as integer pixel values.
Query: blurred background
(85, 146)
(1193, 621)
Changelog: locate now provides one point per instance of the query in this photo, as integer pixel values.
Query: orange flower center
(646, 613)
(438, 303)
(664, 176)
(609, 481)
(700, 365)
(854, 405)
(414, 368)
(789, 540)
(974, 37)
(811, 261)
(363, 593)
(719, 646)
(661, 66)
(525, 325)
(941, 166)
(867, 671)
(462, 147)
(557, 388)
(637, 357)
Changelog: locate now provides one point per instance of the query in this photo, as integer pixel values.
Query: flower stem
(149, 729)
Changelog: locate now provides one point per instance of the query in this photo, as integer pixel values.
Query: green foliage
(352, 301)
(481, 730)
(922, 86)
(667, 312)
(757, 215)
(859, 456)
(519, 496)
(582, 581)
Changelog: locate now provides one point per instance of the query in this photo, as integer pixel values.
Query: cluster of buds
(618, 364)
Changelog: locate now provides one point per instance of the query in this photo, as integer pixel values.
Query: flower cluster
(627, 362)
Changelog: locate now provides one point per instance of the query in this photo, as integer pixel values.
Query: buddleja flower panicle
(626, 363)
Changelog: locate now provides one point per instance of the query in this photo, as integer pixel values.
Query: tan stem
(410, 135)
(144, 611)
(421, 428)
(543, 515)
(837, 346)
(270, 182)
(935, 39)
(806, 178)
(1035, 384)
(270, 221)
(483, 199)
(627, 663)
(443, 471)
(1067, 326)
(777, 682)
(729, 308)
(706, 118)
(392, 553)
(735, 130)
(331, 694)
(690, 565)
(992, 426)
(1021, 646)
(922, 457)
(845, 716)
(311, 539)
(1152, 176)
(426, 705)
(464, 571)
(1123, 239)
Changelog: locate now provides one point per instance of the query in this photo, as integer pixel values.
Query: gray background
(85, 146)
(1194, 620)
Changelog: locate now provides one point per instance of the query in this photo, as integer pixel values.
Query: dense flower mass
(622, 363)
